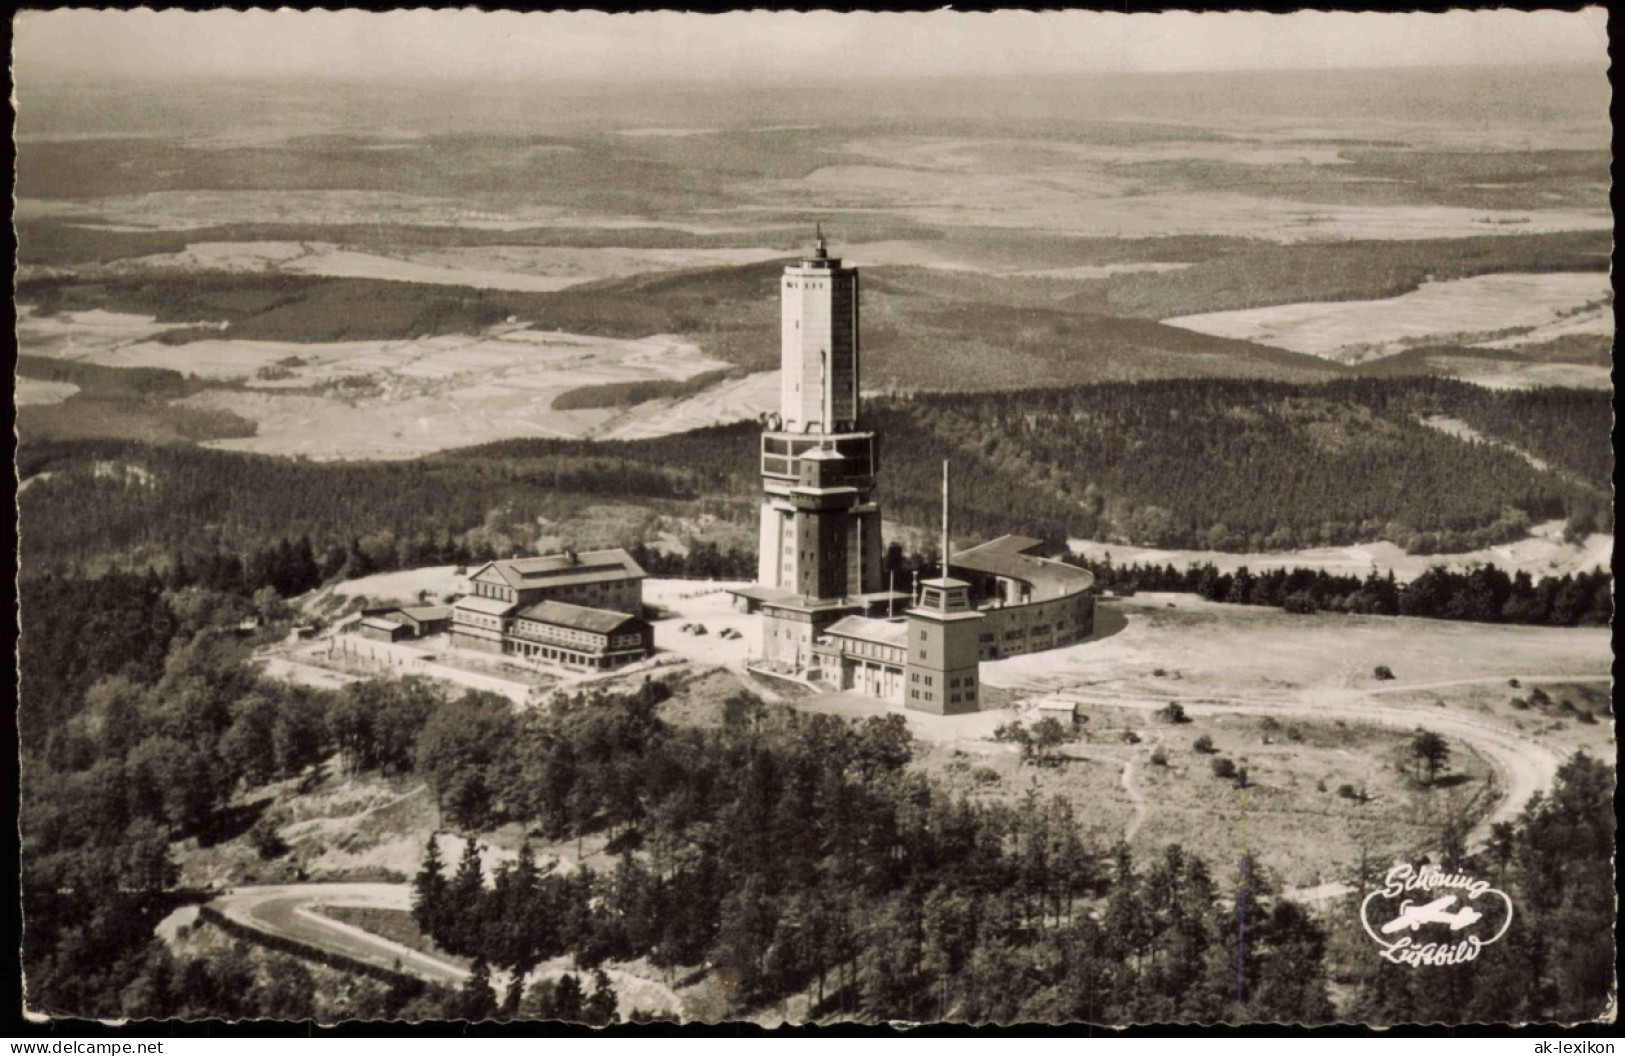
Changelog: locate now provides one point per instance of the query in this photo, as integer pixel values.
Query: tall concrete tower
(819, 556)
(818, 358)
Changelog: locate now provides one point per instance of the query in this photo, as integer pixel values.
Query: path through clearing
(1138, 799)
(1523, 766)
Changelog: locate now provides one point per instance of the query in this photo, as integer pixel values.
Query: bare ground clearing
(1357, 331)
(31, 392)
(400, 399)
(524, 268)
(1223, 660)
(393, 399)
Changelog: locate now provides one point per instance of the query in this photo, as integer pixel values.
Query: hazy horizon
(79, 46)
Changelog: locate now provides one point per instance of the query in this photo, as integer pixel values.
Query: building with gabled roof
(569, 608)
(576, 636)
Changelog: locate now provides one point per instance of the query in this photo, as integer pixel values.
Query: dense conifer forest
(1484, 594)
(1234, 466)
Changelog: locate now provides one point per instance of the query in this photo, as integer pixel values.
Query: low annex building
(579, 610)
(407, 622)
(1002, 601)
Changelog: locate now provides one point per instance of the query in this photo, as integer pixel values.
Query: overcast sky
(77, 44)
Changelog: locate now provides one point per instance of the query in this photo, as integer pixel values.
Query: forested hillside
(1242, 466)
(1236, 466)
(794, 854)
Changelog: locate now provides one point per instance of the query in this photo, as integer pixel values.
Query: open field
(1084, 210)
(1460, 310)
(732, 400)
(1212, 648)
(382, 399)
(31, 392)
(1154, 647)
(405, 588)
(1303, 713)
(190, 210)
(1542, 553)
(536, 269)
(82, 335)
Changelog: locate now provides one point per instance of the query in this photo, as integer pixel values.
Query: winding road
(291, 911)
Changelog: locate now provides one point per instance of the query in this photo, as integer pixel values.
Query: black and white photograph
(671, 522)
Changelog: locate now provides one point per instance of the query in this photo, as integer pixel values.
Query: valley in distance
(1314, 399)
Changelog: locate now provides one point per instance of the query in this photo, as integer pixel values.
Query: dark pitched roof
(591, 566)
(1011, 544)
(562, 614)
(426, 613)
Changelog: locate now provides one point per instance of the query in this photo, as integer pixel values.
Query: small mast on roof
(945, 518)
(821, 251)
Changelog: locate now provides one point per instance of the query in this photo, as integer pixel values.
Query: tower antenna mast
(945, 518)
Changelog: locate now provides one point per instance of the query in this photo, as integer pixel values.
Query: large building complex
(577, 610)
(820, 586)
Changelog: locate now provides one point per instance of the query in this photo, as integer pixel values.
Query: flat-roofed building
(864, 655)
(1032, 603)
(944, 674)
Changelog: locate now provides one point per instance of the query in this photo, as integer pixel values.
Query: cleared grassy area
(1263, 275)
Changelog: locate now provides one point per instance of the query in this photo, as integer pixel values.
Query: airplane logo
(1413, 916)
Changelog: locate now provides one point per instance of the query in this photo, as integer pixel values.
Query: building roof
(1012, 544)
(1049, 579)
(426, 613)
(757, 592)
(484, 606)
(578, 617)
(566, 569)
(868, 629)
(380, 623)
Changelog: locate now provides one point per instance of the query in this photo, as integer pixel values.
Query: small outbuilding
(382, 629)
(424, 620)
(1064, 711)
